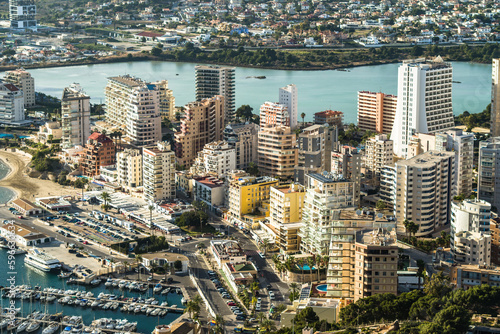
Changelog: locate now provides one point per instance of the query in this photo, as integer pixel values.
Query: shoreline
(12, 170)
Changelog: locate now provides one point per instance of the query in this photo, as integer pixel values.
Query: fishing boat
(95, 282)
(67, 330)
(163, 313)
(65, 275)
(157, 288)
(165, 291)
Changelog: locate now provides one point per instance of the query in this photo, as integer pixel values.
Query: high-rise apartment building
(23, 80)
(129, 168)
(379, 152)
(454, 140)
(470, 231)
(285, 214)
(489, 173)
(376, 111)
(99, 151)
(166, 100)
(217, 80)
(277, 151)
(495, 240)
(316, 144)
(346, 162)
(244, 138)
(11, 104)
(325, 194)
(330, 117)
(424, 100)
(246, 194)
(495, 98)
(22, 14)
(274, 114)
(158, 172)
(288, 96)
(132, 106)
(203, 123)
(217, 158)
(420, 189)
(75, 116)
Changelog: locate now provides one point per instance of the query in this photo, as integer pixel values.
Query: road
(416, 255)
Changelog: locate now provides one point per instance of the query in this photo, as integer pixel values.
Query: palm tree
(219, 324)
(310, 263)
(303, 116)
(406, 224)
(301, 263)
(125, 265)
(260, 317)
(138, 259)
(154, 265)
(166, 268)
(150, 208)
(319, 262)
(267, 326)
(265, 245)
(192, 307)
(420, 271)
(106, 198)
(294, 289)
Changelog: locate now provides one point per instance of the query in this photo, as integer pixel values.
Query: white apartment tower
(23, 80)
(158, 172)
(379, 151)
(495, 98)
(288, 96)
(129, 168)
(216, 158)
(11, 104)
(22, 14)
(424, 100)
(216, 80)
(75, 116)
(274, 114)
(132, 107)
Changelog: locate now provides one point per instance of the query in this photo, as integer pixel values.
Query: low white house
(161, 259)
(23, 235)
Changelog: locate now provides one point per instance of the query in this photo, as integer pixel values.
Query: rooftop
(377, 237)
(210, 181)
(25, 204)
(170, 257)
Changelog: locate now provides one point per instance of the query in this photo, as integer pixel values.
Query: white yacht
(40, 260)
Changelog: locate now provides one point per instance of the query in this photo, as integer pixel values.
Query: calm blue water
(322, 287)
(33, 277)
(5, 193)
(318, 90)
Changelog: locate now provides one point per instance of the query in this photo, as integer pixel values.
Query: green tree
(303, 116)
(244, 112)
(156, 51)
(107, 199)
(253, 169)
(294, 291)
(138, 260)
(178, 265)
(380, 205)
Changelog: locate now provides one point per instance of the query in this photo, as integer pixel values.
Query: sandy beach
(26, 187)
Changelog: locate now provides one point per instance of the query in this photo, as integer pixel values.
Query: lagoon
(318, 90)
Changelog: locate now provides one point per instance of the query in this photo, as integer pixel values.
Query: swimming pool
(305, 267)
(8, 135)
(321, 287)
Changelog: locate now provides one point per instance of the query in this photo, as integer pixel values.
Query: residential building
(325, 194)
(463, 145)
(420, 143)
(346, 162)
(166, 100)
(274, 114)
(246, 194)
(23, 80)
(22, 14)
(467, 276)
(244, 138)
(98, 151)
(11, 104)
(470, 231)
(129, 168)
(315, 144)
(277, 152)
(495, 98)
(495, 240)
(424, 100)
(25, 207)
(216, 158)
(287, 203)
(217, 80)
(184, 182)
(162, 259)
(488, 175)
(50, 130)
(420, 189)
(133, 108)
(472, 248)
(227, 251)
(203, 123)
(376, 111)
(210, 190)
(332, 118)
(75, 116)
(378, 153)
(158, 172)
(288, 96)
(375, 263)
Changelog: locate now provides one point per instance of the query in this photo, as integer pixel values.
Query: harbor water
(318, 90)
(6, 194)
